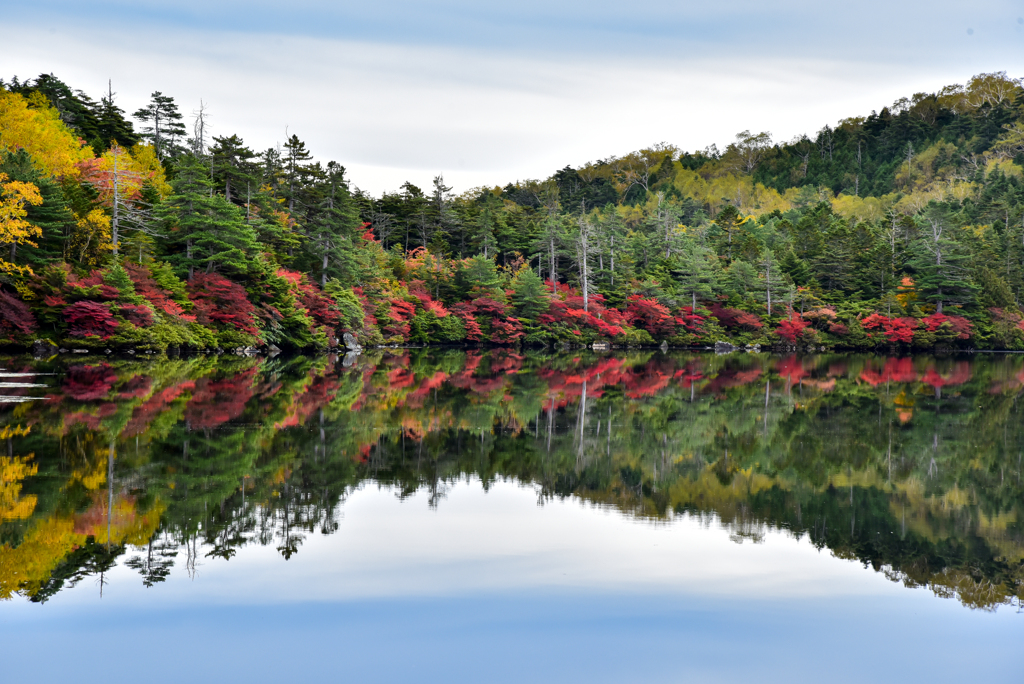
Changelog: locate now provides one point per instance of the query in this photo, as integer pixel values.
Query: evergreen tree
(204, 231)
(694, 271)
(111, 124)
(52, 216)
(164, 127)
(333, 228)
(296, 167)
(529, 299)
(233, 168)
(939, 264)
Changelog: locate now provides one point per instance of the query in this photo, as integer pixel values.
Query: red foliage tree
(896, 329)
(147, 287)
(958, 324)
(218, 300)
(647, 313)
(467, 312)
(90, 319)
(792, 328)
(137, 314)
(319, 306)
(15, 316)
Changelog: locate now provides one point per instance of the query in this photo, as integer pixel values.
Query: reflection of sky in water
(492, 587)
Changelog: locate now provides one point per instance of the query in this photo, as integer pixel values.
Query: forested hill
(141, 231)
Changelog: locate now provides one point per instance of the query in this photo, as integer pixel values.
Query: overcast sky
(492, 92)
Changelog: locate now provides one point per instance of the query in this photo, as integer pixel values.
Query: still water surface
(441, 515)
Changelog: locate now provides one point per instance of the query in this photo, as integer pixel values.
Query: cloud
(492, 93)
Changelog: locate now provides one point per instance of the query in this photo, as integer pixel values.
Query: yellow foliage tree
(37, 128)
(14, 229)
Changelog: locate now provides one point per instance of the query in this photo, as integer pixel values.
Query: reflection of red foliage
(646, 382)
(218, 300)
(729, 377)
(90, 319)
(215, 402)
(89, 383)
(136, 387)
(146, 412)
(961, 374)
(791, 368)
(895, 370)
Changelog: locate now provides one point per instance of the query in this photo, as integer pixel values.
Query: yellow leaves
(14, 229)
(1004, 166)
(91, 241)
(8, 431)
(37, 129)
(146, 162)
(739, 190)
(13, 470)
(863, 208)
(906, 291)
(28, 566)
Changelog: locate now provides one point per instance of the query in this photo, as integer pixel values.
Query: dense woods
(143, 231)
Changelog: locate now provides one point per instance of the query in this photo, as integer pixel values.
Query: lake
(460, 515)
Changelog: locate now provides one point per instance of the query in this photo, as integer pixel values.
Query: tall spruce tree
(203, 230)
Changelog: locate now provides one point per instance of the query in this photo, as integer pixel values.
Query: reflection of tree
(863, 456)
(155, 565)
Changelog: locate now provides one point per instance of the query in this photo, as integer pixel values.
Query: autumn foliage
(218, 301)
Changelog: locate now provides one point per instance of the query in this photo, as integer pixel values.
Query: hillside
(903, 228)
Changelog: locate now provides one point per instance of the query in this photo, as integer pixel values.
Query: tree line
(904, 227)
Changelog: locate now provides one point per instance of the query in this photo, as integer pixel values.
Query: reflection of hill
(910, 465)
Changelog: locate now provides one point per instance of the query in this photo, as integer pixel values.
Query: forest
(142, 232)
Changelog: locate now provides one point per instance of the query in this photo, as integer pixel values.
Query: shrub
(90, 319)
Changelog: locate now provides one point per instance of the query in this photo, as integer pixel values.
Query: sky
(492, 92)
(490, 586)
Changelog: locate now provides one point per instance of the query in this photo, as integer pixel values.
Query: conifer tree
(529, 298)
(164, 125)
(296, 158)
(694, 271)
(939, 263)
(233, 167)
(204, 231)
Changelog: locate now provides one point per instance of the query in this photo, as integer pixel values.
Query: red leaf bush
(219, 301)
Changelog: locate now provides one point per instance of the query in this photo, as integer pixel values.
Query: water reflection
(909, 465)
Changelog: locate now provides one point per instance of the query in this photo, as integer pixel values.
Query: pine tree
(111, 125)
(695, 272)
(296, 158)
(233, 167)
(332, 228)
(529, 298)
(164, 125)
(204, 231)
(53, 217)
(939, 263)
